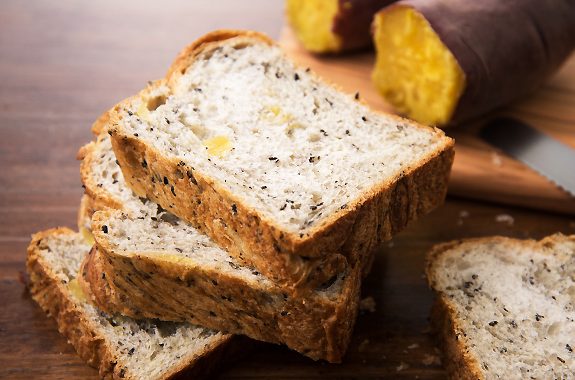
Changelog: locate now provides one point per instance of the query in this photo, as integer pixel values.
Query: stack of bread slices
(239, 195)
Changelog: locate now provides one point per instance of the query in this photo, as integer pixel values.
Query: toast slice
(505, 307)
(282, 170)
(149, 263)
(119, 347)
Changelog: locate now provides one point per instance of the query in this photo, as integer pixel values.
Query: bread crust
(291, 259)
(328, 324)
(148, 285)
(459, 362)
(55, 299)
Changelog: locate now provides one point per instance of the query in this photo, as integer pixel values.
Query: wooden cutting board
(479, 171)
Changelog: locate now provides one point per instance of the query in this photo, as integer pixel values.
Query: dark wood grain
(61, 65)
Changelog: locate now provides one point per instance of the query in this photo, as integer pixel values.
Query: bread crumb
(496, 159)
(401, 367)
(412, 346)
(363, 345)
(462, 215)
(367, 304)
(505, 218)
(431, 360)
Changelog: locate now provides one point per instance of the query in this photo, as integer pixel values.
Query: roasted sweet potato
(443, 62)
(332, 26)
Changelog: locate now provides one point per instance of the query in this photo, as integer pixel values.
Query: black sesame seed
(538, 317)
(105, 229)
(179, 249)
(283, 207)
(356, 96)
(364, 118)
(166, 180)
(234, 209)
(561, 360)
(296, 77)
(272, 158)
(173, 191)
(144, 163)
(130, 113)
(135, 134)
(215, 282)
(131, 351)
(264, 187)
(493, 323)
(167, 121)
(568, 347)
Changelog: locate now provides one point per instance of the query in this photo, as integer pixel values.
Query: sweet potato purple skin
(505, 48)
(353, 21)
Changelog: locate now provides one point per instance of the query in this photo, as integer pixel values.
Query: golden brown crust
(85, 212)
(296, 260)
(459, 363)
(101, 123)
(157, 286)
(99, 197)
(55, 299)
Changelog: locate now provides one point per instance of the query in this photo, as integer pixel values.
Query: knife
(546, 155)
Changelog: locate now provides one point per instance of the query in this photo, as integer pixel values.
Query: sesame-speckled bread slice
(159, 267)
(505, 308)
(227, 295)
(119, 347)
(283, 170)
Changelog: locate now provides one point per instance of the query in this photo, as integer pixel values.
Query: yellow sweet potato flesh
(312, 22)
(414, 70)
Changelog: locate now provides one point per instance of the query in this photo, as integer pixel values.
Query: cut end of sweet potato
(312, 22)
(414, 70)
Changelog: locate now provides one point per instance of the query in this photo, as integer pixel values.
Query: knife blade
(546, 155)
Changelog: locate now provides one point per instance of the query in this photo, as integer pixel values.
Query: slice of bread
(505, 307)
(119, 347)
(150, 264)
(283, 170)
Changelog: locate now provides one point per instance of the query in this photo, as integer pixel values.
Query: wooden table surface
(62, 63)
